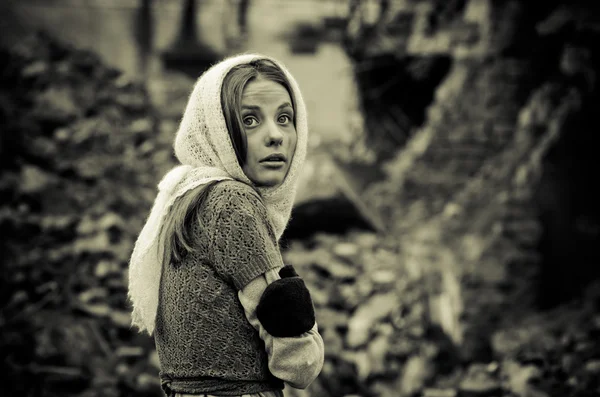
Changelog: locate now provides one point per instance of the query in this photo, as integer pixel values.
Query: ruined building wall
(489, 195)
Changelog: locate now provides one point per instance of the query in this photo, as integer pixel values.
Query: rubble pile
(81, 153)
(376, 321)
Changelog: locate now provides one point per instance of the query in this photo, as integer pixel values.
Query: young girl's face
(267, 116)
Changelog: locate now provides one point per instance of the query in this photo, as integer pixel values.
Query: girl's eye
(284, 119)
(248, 121)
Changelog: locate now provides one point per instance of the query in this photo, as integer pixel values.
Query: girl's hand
(286, 308)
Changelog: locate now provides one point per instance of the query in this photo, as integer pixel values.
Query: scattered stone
(96, 310)
(479, 383)
(154, 360)
(56, 105)
(121, 319)
(383, 278)
(593, 367)
(349, 296)
(333, 342)
(129, 351)
(92, 294)
(584, 346)
(103, 269)
(416, 331)
(431, 392)
(303, 258)
(34, 180)
(147, 382)
(111, 219)
(331, 319)
(364, 318)
(519, 377)
(95, 243)
(362, 362)
(86, 226)
(377, 351)
(417, 372)
(573, 381)
(508, 342)
(35, 69)
(319, 296)
(346, 250)
(122, 369)
(141, 126)
(402, 348)
(493, 367)
(132, 101)
(570, 362)
(92, 167)
(57, 223)
(339, 270)
(364, 286)
(385, 388)
(366, 240)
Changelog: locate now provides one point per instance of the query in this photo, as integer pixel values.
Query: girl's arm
(244, 251)
(296, 360)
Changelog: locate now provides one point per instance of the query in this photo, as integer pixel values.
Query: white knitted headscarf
(204, 148)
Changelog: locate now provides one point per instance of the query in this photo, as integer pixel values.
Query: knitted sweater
(204, 336)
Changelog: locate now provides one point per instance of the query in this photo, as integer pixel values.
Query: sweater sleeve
(243, 245)
(295, 360)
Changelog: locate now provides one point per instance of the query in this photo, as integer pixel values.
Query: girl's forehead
(264, 91)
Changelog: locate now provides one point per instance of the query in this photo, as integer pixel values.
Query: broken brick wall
(490, 194)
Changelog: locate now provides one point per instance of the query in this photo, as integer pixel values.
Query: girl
(206, 276)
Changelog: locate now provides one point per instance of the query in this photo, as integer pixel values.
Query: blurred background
(447, 222)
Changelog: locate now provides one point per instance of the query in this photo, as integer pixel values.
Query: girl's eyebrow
(253, 107)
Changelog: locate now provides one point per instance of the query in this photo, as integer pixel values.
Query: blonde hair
(175, 233)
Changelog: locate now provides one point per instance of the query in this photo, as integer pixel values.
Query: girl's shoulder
(234, 196)
(229, 187)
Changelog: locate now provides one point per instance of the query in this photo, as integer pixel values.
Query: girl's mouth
(273, 164)
(275, 157)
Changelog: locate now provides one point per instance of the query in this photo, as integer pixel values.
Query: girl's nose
(274, 135)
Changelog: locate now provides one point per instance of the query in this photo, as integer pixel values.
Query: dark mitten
(285, 309)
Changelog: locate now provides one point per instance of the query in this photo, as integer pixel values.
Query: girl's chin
(267, 177)
(269, 180)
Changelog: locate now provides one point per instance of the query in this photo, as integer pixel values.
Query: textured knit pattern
(203, 147)
(204, 341)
